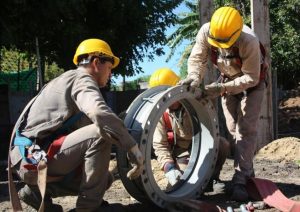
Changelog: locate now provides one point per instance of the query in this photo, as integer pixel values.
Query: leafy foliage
(131, 85)
(188, 26)
(144, 78)
(130, 27)
(51, 71)
(14, 60)
(285, 45)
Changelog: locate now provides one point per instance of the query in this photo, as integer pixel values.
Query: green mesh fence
(24, 80)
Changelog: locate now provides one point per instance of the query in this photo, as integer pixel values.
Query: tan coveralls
(165, 152)
(241, 111)
(162, 148)
(88, 144)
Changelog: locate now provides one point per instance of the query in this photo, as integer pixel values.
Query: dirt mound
(284, 149)
(289, 115)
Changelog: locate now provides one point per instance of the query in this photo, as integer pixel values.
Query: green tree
(285, 45)
(188, 26)
(51, 71)
(130, 27)
(15, 60)
(131, 85)
(145, 78)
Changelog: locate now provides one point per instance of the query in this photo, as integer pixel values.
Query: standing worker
(235, 50)
(173, 135)
(70, 120)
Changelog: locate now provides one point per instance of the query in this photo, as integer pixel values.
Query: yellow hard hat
(96, 46)
(163, 76)
(225, 27)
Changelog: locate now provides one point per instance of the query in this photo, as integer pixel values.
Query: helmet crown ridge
(225, 27)
(163, 76)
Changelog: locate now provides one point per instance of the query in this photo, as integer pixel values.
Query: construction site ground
(279, 161)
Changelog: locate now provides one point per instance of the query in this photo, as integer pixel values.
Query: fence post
(39, 68)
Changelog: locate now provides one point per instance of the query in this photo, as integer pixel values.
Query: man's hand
(136, 159)
(192, 80)
(173, 176)
(172, 173)
(214, 90)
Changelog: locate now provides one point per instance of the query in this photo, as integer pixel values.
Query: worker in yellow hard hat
(94, 47)
(237, 53)
(163, 76)
(69, 127)
(173, 134)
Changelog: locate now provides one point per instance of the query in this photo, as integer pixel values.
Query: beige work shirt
(249, 52)
(67, 95)
(162, 148)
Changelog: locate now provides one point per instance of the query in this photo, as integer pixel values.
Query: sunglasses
(222, 40)
(104, 59)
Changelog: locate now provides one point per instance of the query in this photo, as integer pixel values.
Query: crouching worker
(69, 126)
(173, 135)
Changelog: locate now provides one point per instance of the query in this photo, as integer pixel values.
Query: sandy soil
(279, 161)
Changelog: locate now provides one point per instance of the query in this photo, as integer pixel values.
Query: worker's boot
(31, 196)
(239, 193)
(104, 207)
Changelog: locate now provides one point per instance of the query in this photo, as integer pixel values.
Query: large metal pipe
(141, 119)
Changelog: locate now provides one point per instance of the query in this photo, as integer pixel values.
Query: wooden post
(260, 25)
(206, 11)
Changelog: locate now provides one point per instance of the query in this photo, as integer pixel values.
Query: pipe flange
(141, 119)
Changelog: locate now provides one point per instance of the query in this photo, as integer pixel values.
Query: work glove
(136, 159)
(214, 90)
(173, 176)
(172, 173)
(192, 80)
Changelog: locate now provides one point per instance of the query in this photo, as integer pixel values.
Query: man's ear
(95, 62)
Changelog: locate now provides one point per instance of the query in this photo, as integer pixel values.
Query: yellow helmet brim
(225, 45)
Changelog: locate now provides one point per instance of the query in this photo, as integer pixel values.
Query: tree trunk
(260, 25)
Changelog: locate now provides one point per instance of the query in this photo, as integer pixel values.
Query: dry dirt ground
(279, 162)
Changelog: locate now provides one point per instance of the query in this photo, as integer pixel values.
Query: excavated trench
(141, 119)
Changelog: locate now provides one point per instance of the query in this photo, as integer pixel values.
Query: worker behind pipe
(70, 126)
(237, 53)
(173, 135)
